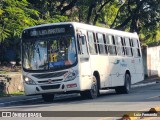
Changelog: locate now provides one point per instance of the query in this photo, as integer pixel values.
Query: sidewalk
(147, 81)
(12, 100)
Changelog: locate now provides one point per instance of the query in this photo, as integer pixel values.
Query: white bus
(70, 57)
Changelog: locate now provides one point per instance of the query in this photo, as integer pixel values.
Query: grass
(17, 93)
(3, 72)
(11, 94)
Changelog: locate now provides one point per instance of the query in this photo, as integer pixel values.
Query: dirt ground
(9, 68)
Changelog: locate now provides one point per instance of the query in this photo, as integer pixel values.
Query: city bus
(72, 57)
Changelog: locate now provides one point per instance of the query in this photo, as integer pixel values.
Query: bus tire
(93, 92)
(127, 86)
(48, 97)
(83, 94)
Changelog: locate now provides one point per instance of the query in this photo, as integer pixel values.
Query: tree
(141, 16)
(15, 15)
(51, 11)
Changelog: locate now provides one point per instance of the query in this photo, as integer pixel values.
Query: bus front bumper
(51, 88)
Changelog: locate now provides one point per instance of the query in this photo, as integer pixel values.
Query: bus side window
(136, 49)
(131, 44)
(106, 44)
(100, 43)
(82, 44)
(111, 44)
(127, 47)
(139, 54)
(91, 41)
(118, 41)
(123, 45)
(79, 45)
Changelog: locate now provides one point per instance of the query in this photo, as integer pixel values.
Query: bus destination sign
(46, 32)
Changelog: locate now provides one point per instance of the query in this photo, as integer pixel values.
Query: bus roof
(91, 28)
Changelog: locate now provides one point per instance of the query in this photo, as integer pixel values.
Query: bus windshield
(51, 53)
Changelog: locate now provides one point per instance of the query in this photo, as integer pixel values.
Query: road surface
(139, 99)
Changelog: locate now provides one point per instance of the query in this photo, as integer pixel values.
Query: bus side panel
(85, 74)
(100, 64)
(116, 71)
(139, 74)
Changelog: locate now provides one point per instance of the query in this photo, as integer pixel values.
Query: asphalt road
(139, 99)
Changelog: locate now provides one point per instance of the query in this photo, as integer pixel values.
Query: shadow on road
(145, 94)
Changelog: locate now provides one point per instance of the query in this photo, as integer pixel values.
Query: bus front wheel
(93, 92)
(48, 97)
(127, 86)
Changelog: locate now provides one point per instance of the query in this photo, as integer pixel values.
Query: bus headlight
(70, 76)
(28, 81)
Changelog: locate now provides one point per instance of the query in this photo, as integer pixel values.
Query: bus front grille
(50, 87)
(49, 82)
(49, 75)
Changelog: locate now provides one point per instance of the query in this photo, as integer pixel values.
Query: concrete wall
(15, 84)
(144, 57)
(153, 61)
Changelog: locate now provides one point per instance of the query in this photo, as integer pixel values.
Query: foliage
(49, 13)
(141, 16)
(109, 13)
(14, 17)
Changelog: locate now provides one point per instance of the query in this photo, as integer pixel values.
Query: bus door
(83, 54)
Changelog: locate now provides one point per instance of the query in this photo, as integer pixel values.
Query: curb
(141, 85)
(5, 104)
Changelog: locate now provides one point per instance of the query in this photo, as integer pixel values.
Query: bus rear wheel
(127, 86)
(93, 92)
(48, 97)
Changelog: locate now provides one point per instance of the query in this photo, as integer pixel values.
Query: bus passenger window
(109, 39)
(82, 45)
(127, 43)
(100, 43)
(111, 44)
(118, 42)
(135, 49)
(123, 44)
(135, 43)
(127, 47)
(112, 50)
(91, 41)
(136, 52)
(139, 54)
(128, 51)
(79, 45)
(120, 50)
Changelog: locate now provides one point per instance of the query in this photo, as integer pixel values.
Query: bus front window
(35, 55)
(57, 52)
(62, 52)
